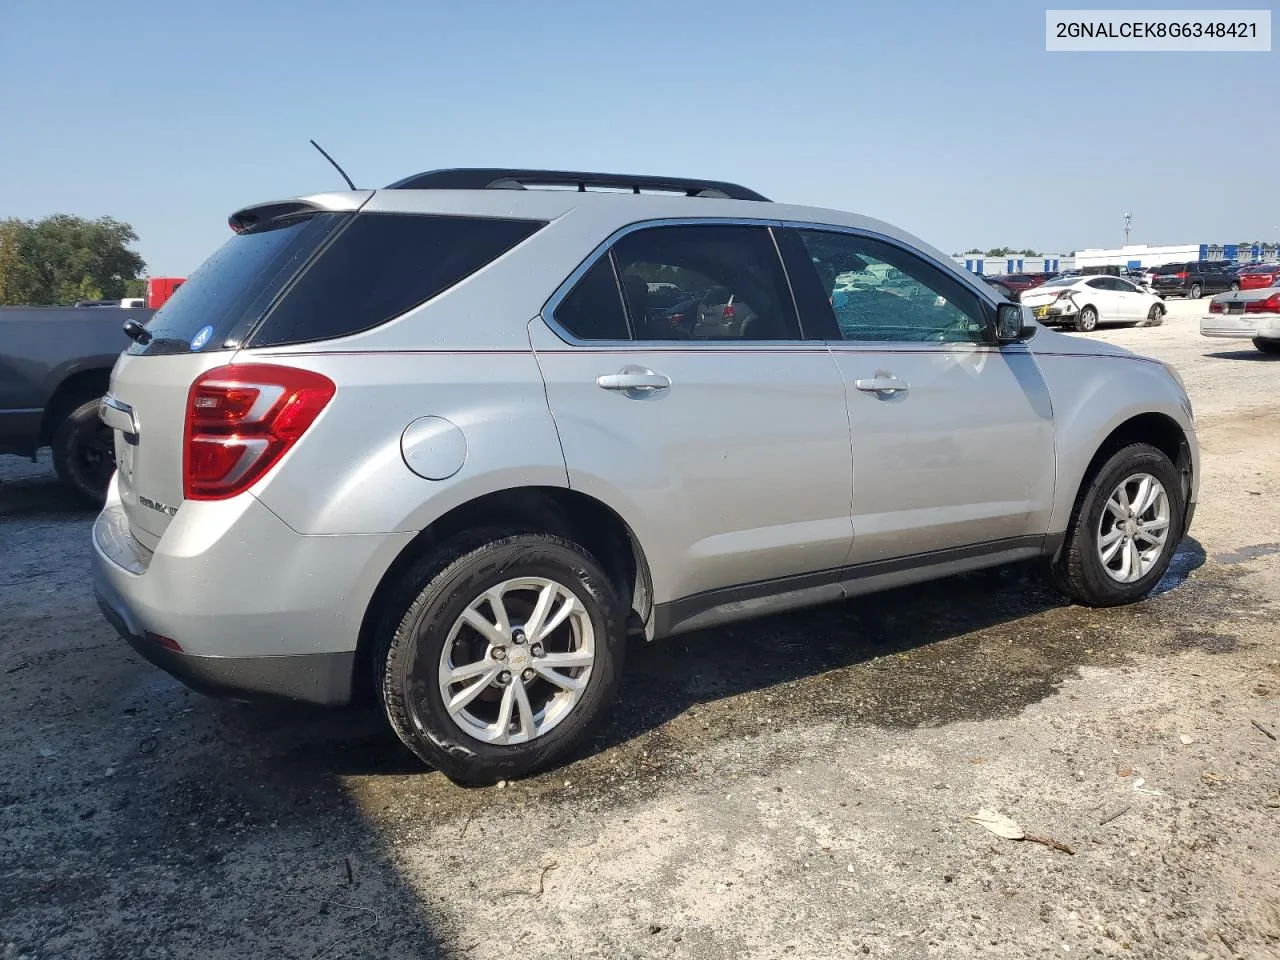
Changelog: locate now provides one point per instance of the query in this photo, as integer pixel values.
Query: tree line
(62, 259)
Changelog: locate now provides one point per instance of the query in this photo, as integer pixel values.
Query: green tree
(62, 259)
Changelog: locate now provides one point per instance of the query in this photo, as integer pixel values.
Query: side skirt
(725, 605)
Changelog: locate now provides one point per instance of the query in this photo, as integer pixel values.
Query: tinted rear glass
(231, 289)
(381, 265)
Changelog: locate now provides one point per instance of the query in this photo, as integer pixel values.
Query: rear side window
(381, 265)
(231, 289)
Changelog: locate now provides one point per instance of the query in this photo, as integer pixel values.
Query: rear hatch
(1173, 276)
(199, 328)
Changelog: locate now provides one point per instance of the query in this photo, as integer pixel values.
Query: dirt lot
(791, 788)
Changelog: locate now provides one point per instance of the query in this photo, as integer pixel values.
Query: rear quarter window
(382, 265)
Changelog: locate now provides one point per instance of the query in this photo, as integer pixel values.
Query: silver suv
(442, 442)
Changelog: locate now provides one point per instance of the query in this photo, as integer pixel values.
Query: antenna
(1128, 221)
(335, 164)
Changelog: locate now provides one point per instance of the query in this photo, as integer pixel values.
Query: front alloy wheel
(1134, 528)
(1126, 523)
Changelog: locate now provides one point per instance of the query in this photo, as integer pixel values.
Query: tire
(1196, 291)
(1086, 319)
(1155, 316)
(1267, 346)
(1079, 570)
(84, 453)
(428, 611)
(1235, 287)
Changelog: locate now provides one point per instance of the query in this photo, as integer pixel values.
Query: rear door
(725, 443)
(952, 434)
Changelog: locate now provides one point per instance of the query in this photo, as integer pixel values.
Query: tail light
(1183, 275)
(729, 312)
(1065, 294)
(677, 319)
(1269, 305)
(1217, 307)
(241, 419)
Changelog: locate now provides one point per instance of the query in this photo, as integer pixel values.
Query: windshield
(1060, 282)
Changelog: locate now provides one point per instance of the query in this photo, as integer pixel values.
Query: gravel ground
(795, 787)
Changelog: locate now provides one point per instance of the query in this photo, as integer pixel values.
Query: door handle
(882, 385)
(631, 380)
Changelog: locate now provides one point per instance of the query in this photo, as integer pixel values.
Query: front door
(723, 441)
(952, 434)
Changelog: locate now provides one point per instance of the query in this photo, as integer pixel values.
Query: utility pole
(1128, 226)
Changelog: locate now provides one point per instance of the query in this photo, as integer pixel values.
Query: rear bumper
(1241, 326)
(321, 678)
(256, 608)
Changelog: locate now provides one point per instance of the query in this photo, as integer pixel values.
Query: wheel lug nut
(536, 650)
(528, 674)
(504, 677)
(498, 653)
(517, 636)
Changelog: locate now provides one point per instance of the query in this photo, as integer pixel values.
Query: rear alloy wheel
(1196, 291)
(505, 657)
(1155, 316)
(1124, 529)
(1267, 346)
(84, 453)
(1086, 319)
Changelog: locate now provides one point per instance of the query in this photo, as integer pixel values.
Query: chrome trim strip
(118, 415)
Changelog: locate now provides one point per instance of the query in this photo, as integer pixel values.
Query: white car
(1084, 302)
(1246, 315)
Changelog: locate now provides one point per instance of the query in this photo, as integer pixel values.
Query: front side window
(881, 293)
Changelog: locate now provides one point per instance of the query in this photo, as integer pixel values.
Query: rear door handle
(634, 380)
(882, 385)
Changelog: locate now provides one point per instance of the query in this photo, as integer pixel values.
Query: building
(995, 266)
(1133, 255)
(1142, 255)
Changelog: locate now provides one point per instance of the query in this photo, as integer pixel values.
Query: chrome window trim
(548, 311)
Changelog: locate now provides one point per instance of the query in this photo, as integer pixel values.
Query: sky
(949, 120)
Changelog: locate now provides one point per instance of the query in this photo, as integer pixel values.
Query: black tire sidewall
(1266, 346)
(411, 693)
(1086, 578)
(77, 428)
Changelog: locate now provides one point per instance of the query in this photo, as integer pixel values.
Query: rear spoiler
(259, 214)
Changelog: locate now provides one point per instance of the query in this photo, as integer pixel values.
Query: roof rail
(498, 178)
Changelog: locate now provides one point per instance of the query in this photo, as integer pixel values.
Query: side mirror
(1009, 327)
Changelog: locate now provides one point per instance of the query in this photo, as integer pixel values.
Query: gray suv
(428, 442)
